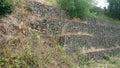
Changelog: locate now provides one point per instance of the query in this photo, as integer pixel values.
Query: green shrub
(97, 11)
(76, 8)
(6, 6)
(8, 59)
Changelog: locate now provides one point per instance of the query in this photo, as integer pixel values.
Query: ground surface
(96, 37)
(92, 33)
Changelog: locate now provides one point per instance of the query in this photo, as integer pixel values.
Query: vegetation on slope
(26, 48)
(81, 8)
(6, 6)
(76, 8)
(23, 47)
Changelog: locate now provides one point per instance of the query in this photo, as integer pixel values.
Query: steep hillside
(22, 46)
(42, 36)
(88, 32)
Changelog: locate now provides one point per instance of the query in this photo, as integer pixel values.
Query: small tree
(6, 6)
(97, 10)
(76, 8)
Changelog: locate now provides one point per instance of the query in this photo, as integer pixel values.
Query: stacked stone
(52, 22)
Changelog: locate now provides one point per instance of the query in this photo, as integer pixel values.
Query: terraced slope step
(72, 42)
(90, 35)
(102, 53)
(88, 32)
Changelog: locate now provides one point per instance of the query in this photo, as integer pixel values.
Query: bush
(25, 59)
(6, 6)
(97, 11)
(76, 8)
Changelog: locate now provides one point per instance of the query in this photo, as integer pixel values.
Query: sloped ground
(50, 19)
(41, 27)
(89, 32)
(23, 43)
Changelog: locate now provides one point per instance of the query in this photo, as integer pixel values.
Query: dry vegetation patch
(23, 47)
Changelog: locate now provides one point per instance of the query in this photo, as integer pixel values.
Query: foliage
(6, 6)
(29, 52)
(113, 8)
(9, 60)
(96, 11)
(76, 8)
(106, 56)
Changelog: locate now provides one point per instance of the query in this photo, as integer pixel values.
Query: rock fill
(87, 32)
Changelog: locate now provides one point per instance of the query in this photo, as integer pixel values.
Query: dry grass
(47, 54)
(25, 48)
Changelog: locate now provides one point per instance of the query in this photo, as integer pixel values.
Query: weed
(107, 57)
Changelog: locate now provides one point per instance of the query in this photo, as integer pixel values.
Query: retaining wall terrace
(88, 32)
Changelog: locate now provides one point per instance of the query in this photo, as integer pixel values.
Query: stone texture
(102, 35)
(101, 54)
(89, 32)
